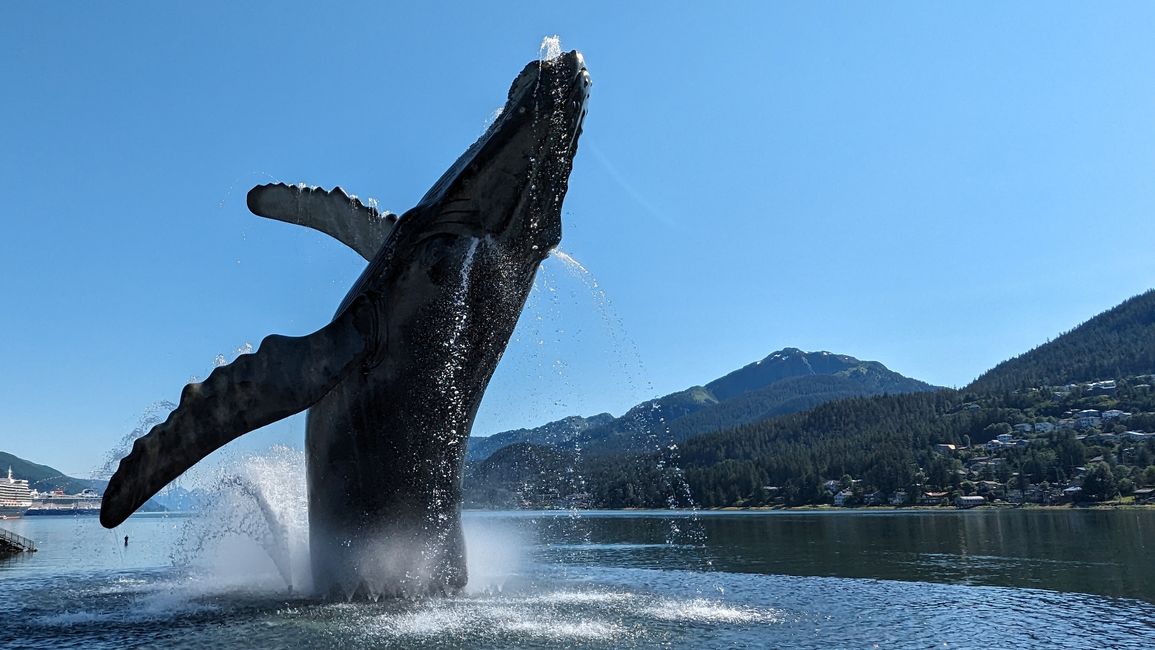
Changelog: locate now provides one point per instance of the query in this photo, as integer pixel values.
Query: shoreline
(844, 509)
(985, 506)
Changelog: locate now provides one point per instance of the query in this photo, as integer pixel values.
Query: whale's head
(510, 184)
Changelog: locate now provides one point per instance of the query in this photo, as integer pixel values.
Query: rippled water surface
(1020, 579)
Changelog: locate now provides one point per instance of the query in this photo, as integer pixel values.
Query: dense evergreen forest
(43, 477)
(888, 444)
(1117, 343)
(1066, 437)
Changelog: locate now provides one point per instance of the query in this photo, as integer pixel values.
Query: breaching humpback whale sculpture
(393, 383)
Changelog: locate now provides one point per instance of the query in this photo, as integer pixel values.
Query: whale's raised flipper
(284, 376)
(360, 227)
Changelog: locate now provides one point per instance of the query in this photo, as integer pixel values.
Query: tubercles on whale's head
(509, 186)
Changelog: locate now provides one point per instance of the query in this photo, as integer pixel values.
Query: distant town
(1028, 458)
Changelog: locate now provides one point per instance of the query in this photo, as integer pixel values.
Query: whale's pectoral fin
(360, 227)
(284, 376)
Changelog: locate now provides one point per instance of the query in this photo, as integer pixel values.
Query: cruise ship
(56, 502)
(15, 497)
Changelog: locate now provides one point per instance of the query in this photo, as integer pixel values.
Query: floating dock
(11, 543)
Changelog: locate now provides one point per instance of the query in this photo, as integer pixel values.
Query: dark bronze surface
(393, 383)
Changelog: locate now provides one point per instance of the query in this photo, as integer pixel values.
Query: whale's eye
(437, 259)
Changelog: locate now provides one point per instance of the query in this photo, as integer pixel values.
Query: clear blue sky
(934, 186)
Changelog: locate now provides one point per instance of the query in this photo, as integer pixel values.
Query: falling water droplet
(550, 48)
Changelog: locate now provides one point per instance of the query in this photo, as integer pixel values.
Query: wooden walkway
(10, 542)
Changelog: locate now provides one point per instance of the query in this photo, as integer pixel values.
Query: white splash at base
(252, 533)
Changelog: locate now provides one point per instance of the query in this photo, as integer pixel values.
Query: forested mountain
(887, 438)
(557, 433)
(43, 477)
(887, 442)
(790, 395)
(522, 475)
(1117, 343)
(792, 363)
(1096, 439)
(786, 381)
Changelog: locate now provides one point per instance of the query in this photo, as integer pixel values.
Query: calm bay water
(619, 579)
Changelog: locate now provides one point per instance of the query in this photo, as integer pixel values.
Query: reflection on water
(954, 579)
(1111, 553)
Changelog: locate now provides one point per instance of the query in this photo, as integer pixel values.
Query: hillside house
(1103, 387)
(1036, 494)
(933, 498)
(993, 489)
(1001, 443)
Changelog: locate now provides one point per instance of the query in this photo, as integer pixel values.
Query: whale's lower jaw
(398, 562)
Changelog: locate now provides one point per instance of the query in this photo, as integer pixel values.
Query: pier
(10, 543)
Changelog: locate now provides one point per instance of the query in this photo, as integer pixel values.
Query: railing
(20, 542)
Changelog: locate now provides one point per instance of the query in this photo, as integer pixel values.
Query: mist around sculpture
(250, 531)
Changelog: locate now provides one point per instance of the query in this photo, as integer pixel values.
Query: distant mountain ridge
(789, 363)
(43, 478)
(521, 474)
(786, 381)
(558, 432)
